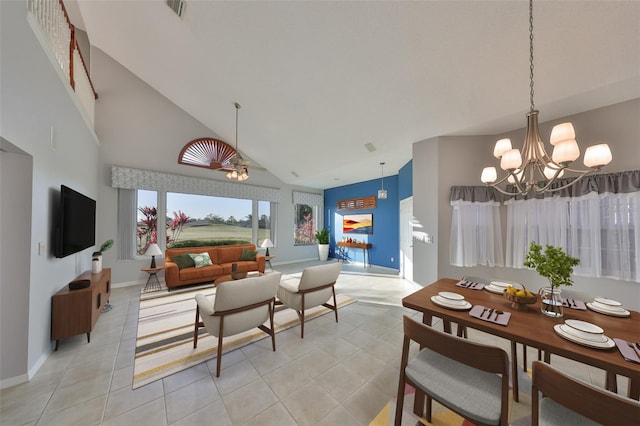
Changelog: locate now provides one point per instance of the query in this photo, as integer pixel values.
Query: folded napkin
(574, 304)
(486, 314)
(471, 285)
(627, 352)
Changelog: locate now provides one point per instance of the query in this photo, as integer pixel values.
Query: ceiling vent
(177, 6)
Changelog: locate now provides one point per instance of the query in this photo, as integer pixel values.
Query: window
(146, 220)
(264, 222)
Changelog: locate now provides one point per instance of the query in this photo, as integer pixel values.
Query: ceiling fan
(215, 154)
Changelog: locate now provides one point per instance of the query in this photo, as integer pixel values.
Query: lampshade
(565, 151)
(502, 146)
(489, 175)
(511, 160)
(562, 132)
(267, 243)
(153, 250)
(597, 155)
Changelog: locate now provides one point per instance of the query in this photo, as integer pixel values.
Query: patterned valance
(308, 198)
(127, 178)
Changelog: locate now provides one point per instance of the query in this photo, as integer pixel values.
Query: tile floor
(340, 374)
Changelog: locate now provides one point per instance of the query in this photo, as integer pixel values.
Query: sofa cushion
(229, 253)
(202, 274)
(201, 259)
(183, 261)
(248, 254)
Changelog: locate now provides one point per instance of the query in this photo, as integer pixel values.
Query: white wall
(140, 128)
(34, 100)
(461, 160)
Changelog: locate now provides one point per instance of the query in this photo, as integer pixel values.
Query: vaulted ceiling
(317, 80)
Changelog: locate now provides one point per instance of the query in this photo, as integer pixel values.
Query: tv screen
(76, 222)
(357, 223)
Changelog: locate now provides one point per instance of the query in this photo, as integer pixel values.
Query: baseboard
(13, 381)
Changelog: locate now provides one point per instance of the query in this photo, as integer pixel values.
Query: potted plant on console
(555, 265)
(322, 236)
(96, 257)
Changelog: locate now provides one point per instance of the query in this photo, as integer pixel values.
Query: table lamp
(267, 244)
(153, 250)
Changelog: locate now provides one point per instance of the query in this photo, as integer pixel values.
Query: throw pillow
(183, 261)
(201, 259)
(248, 254)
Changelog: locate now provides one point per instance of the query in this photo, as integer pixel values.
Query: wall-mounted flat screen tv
(357, 223)
(76, 223)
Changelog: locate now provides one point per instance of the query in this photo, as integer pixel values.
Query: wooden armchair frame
(486, 358)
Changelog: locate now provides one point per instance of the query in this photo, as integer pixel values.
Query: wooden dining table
(532, 328)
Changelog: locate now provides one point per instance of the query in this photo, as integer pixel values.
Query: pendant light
(382, 193)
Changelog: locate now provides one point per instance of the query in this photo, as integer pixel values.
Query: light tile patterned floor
(340, 374)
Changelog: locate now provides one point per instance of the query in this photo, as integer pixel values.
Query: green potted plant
(555, 265)
(96, 257)
(322, 236)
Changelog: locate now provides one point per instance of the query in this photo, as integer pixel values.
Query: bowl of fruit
(519, 298)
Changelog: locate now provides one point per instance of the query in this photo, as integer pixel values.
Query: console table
(364, 246)
(75, 312)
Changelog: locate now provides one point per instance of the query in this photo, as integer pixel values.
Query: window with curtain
(597, 220)
(476, 237)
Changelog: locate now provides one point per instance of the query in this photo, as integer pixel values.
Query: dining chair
(315, 287)
(469, 378)
(568, 401)
(238, 306)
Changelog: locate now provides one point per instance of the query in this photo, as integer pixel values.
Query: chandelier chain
(531, 54)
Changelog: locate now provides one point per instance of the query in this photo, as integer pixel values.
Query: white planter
(323, 251)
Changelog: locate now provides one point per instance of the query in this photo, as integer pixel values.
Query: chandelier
(532, 170)
(240, 171)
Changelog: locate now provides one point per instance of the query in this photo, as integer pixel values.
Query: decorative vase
(551, 302)
(323, 252)
(96, 262)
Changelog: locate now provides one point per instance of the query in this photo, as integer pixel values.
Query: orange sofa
(222, 257)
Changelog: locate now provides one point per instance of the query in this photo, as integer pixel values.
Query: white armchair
(238, 306)
(316, 287)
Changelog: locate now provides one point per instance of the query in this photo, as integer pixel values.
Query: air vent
(177, 6)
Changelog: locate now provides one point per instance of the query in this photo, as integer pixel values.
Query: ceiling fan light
(511, 160)
(502, 146)
(562, 132)
(566, 151)
(489, 175)
(597, 155)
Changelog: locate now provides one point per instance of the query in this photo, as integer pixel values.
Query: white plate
(623, 313)
(608, 302)
(606, 307)
(501, 284)
(492, 289)
(446, 301)
(584, 330)
(560, 329)
(451, 296)
(444, 304)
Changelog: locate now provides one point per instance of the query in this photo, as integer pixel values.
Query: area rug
(164, 343)
(519, 412)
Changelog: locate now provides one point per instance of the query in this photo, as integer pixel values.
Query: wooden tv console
(75, 312)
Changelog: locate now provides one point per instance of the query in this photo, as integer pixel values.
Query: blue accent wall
(385, 239)
(405, 181)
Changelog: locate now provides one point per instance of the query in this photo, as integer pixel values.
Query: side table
(267, 259)
(153, 283)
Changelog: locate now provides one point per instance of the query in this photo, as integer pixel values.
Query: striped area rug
(164, 343)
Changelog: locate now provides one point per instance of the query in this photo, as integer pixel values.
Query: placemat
(574, 304)
(470, 285)
(627, 351)
(488, 314)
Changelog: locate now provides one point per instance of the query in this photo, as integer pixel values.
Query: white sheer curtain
(597, 221)
(476, 237)
(545, 221)
(606, 234)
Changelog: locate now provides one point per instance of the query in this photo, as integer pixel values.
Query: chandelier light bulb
(597, 155)
(502, 146)
(489, 175)
(511, 160)
(562, 132)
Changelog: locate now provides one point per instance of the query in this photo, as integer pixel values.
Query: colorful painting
(357, 224)
(305, 228)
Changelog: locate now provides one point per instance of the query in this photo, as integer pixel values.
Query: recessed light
(370, 147)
